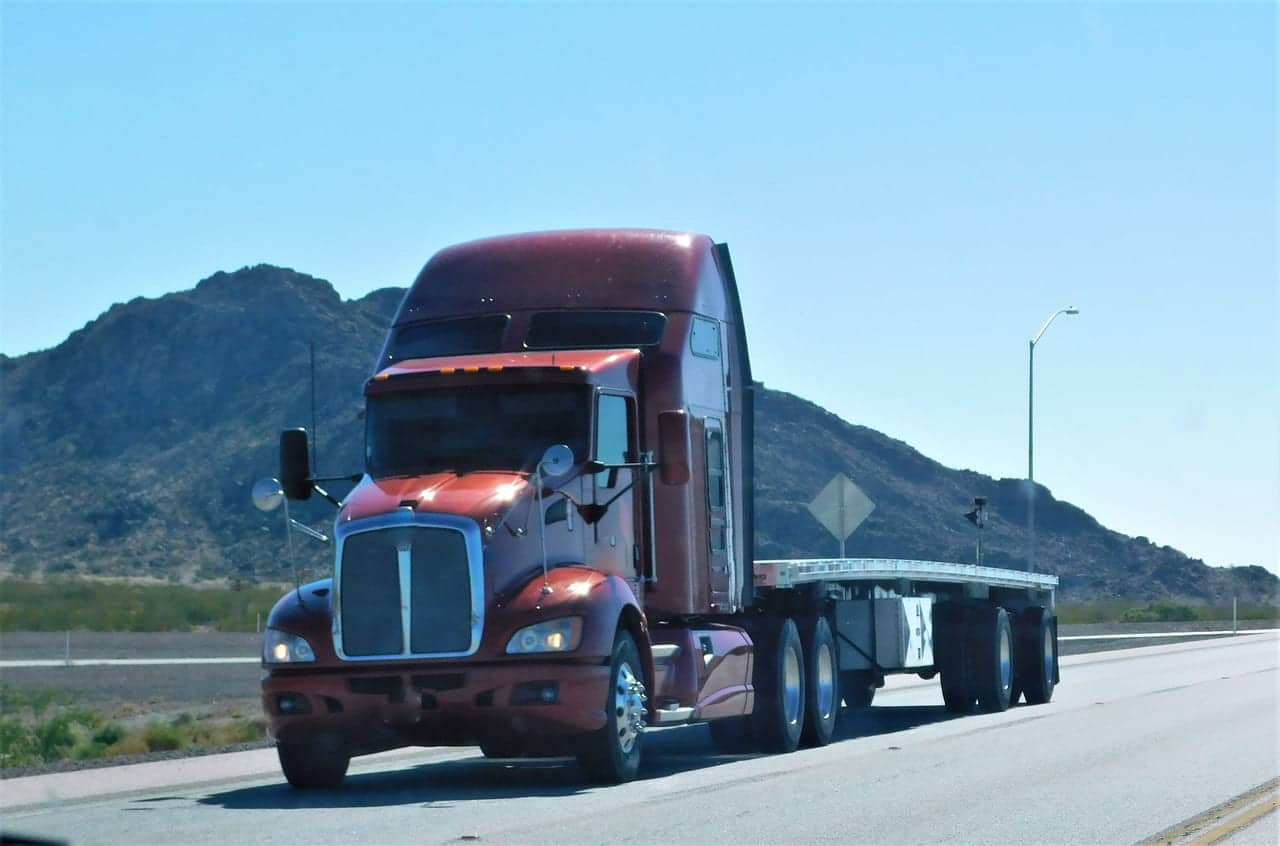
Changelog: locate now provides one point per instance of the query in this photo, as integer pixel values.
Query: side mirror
(556, 462)
(673, 445)
(295, 464)
(267, 495)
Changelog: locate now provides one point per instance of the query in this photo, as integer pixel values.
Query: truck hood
(485, 496)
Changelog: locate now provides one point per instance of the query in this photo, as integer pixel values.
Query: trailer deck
(790, 572)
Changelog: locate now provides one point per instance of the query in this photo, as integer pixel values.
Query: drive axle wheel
(822, 685)
(612, 754)
(779, 682)
(317, 765)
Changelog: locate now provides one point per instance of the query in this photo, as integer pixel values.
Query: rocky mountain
(130, 449)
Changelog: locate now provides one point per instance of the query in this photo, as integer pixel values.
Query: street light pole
(1031, 475)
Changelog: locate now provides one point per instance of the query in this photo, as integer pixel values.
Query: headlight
(560, 635)
(283, 648)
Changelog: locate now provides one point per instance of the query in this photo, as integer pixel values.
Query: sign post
(841, 507)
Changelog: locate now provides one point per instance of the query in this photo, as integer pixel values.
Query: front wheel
(612, 754)
(316, 765)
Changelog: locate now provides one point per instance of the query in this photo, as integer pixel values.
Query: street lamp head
(1073, 310)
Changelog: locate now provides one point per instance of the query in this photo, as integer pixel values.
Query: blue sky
(909, 191)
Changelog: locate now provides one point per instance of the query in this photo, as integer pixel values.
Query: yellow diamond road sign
(841, 507)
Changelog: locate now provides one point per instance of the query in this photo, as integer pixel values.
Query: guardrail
(1149, 635)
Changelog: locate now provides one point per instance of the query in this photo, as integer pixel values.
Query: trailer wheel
(955, 661)
(993, 659)
(779, 681)
(857, 688)
(612, 754)
(1038, 651)
(317, 765)
(822, 685)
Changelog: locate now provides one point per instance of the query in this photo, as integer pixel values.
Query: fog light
(536, 693)
(292, 703)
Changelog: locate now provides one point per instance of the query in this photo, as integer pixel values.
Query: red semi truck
(551, 548)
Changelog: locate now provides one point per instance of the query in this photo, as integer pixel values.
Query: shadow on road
(445, 783)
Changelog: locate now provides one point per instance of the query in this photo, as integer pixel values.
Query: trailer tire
(955, 661)
(993, 659)
(857, 688)
(779, 681)
(318, 765)
(822, 684)
(1038, 655)
(612, 754)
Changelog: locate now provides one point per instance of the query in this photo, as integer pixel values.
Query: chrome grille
(408, 590)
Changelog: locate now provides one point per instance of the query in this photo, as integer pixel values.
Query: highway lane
(1134, 743)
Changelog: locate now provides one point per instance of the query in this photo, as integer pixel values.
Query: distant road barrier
(178, 662)
(1146, 635)
(121, 662)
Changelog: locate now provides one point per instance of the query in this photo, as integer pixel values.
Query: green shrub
(109, 734)
(18, 745)
(1161, 611)
(162, 738)
(70, 603)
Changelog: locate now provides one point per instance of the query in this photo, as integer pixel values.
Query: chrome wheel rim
(1048, 654)
(1006, 659)
(791, 693)
(628, 707)
(826, 682)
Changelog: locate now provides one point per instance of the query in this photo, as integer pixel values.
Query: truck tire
(318, 765)
(822, 684)
(779, 681)
(612, 754)
(857, 688)
(953, 654)
(993, 658)
(1038, 655)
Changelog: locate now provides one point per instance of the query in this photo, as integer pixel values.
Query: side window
(612, 433)
(704, 338)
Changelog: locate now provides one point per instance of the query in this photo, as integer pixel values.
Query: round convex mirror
(556, 462)
(267, 494)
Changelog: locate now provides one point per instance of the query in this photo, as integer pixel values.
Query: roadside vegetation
(73, 604)
(43, 726)
(1160, 611)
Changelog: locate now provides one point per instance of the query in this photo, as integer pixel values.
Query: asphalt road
(1135, 743)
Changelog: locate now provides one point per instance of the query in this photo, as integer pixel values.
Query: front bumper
(415, 704)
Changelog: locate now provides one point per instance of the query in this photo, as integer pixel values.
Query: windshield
(498, 427)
